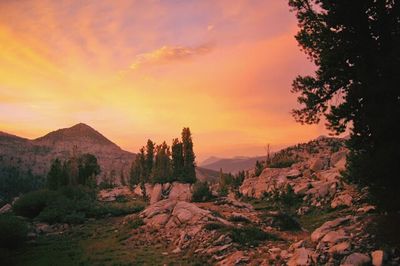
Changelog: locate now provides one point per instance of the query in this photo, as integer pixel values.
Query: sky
(135, 70)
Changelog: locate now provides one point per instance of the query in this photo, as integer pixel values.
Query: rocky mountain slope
(36, 155)
(231, 165)
(300, 214)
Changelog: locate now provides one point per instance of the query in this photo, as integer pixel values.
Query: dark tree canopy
(157, 164)
(189, 165)
(177, 159)
(162, 164)
(356, 48)
(148, 169)
(80, 170)
(137, 173)
(88, 168)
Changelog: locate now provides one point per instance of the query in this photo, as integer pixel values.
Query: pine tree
(177, 160)
(55, 174)
(137, 173)
(88, 169)
(148, 169)
(355, 46)
(122, 178)
(162, 164)
(189, 166)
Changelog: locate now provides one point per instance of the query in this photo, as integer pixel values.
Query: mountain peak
(78, 133)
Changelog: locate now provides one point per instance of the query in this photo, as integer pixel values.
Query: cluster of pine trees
(77, 170)
(162, 164)
(229, 182)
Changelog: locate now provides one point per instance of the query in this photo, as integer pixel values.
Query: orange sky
(144, 69)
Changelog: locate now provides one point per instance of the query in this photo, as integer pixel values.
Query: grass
(316, 218)
(101, 242)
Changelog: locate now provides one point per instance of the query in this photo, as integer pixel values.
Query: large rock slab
(156, 193)
(357, 259)
(180, 191)
(329, 226)
(301, 257)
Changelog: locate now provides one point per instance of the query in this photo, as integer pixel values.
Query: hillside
(231, 165)
(36, 155)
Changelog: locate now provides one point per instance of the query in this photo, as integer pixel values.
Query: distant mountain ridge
(78, 132)
(231, 165)
(36, 155)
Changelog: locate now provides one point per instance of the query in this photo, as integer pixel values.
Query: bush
(75, 218)
(78, 193)
(32, 203)
(250, 235)
(201, 192)
(214, 226)
(13, 231)
(136, 223)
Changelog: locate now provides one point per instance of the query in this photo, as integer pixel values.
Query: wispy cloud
(168, 54)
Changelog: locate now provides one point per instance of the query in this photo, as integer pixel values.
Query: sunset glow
(135, 70)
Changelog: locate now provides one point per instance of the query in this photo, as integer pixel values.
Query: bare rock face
(319, 164)
(270, 179)
(328, 227)
(156, 193)
(342, 200)
(173, 213)
(180, 191)
(301, 257)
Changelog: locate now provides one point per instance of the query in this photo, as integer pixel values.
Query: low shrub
(201, 192)
(214, 226)
(136, 223)
(32, 203)
(250, 235)
(239, 219)
(75, 218)
(13, 231)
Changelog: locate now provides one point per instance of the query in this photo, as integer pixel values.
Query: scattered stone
(113, 193)
(378, 257)
(366, 209)
(301, 257)
(342, 200)
(319, 164)
(6, 208)
(356, 259)
(341, 248)
(328, 226)
(275, 252)
(334, 237)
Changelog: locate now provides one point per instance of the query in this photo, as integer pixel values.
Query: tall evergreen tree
(177, 160)
(88, 169)
(356, 48)
(137, 173)
(189, 166)
(149, 159)
(162, 164)
(54, 175)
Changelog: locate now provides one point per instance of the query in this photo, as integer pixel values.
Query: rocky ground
(327, 224)
(302, 214)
